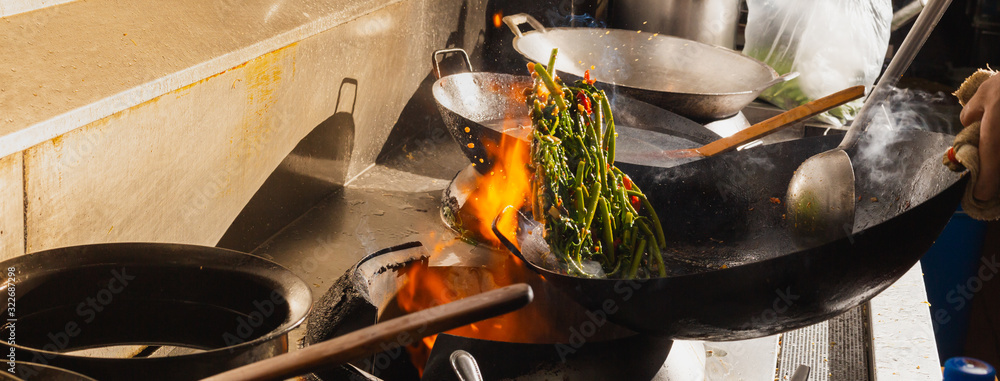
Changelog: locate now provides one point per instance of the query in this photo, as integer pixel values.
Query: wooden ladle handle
(385, 335)
(775, 123)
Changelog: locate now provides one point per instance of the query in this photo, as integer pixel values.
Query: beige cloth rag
(964, 154)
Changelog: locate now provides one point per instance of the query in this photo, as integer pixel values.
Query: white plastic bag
(833, 44)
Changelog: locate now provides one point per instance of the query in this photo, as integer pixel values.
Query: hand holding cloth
(977, 147)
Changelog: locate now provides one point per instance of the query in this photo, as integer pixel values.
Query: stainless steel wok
(479, 108)
(699, 81)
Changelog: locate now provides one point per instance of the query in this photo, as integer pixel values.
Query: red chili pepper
(586, 77)
(627, 182)
(584, 100)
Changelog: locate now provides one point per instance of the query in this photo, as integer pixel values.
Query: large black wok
(734, 268)
(700, 81)
(218, 309)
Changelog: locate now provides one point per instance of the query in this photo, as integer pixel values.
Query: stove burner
(580, 344)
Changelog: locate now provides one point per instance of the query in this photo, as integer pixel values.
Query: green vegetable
(788, 95)
(585, 202)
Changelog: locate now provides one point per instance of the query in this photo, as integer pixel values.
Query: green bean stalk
(591, 210)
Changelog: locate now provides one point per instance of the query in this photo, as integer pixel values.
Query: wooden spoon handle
(775, 123)
(403, 330)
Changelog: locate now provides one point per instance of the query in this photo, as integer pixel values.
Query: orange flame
(428, 286)
(422, 290)
(545, 320)
(507, 183)
(498, 19)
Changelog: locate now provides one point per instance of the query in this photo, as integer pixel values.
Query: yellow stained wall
(180, 167)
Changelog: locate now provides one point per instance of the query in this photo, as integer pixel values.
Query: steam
(760, 164)
(563, 16)
(904, 109)
(577, 14)
(675, 174)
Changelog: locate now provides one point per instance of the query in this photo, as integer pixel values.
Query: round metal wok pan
(696, 80)
(218, 309)
(479, 108)
(734, 268)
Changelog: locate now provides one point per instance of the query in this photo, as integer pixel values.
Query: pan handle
(437, 64)
(781, 78)
(385, 335)
(503, 238)
(513, 21)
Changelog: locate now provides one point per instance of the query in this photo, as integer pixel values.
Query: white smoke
(903, 109)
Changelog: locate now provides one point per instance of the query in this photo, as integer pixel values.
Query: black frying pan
(735, 270)
(219, 308)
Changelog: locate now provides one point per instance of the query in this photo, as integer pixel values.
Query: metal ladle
(820, 198)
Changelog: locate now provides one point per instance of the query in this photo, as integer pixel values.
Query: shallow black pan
(479, 108)
(734, 269)
(218, 309)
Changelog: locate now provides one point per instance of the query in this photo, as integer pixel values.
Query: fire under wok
(735, 270)
(551, 335)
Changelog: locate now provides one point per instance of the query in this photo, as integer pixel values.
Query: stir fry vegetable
(592, 212)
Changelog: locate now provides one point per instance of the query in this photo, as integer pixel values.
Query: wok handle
(383, 336)
(465, 366)
(513, 21)
(437, 64)
(506, 241)
(786, 118)
(781, 78)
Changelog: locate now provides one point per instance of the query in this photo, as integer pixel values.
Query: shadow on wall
(419, 131)
(315, 168)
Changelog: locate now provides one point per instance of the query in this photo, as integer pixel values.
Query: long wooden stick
(775, 123)
(403, 330)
